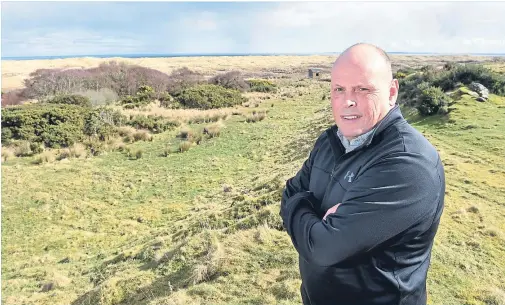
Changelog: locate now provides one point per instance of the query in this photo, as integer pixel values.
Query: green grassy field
(202, 227)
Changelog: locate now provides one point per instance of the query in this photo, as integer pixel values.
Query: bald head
(365, 55)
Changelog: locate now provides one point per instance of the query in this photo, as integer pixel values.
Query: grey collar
(354, 143)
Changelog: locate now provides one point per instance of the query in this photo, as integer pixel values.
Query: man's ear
(393, 92)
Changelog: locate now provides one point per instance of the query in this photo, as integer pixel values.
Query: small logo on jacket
(349, 176)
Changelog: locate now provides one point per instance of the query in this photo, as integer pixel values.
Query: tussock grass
(126, 131)
(77, 150)
(214, 130)
(142, 135)
(7, 154)
(185, 146)
(45, 157)
(184, 116)
(256, 116)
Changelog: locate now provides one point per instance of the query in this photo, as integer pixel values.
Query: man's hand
(331, 210)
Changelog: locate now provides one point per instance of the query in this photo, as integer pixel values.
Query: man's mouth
(350, 117)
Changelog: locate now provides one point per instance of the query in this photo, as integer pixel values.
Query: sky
(100, 28)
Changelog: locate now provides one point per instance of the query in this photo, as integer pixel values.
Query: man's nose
(349, 100)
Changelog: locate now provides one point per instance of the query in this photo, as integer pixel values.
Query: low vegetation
(157, 205)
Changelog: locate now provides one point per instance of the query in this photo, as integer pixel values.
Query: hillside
(202, 227)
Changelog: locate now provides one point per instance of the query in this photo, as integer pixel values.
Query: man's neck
(351, 144)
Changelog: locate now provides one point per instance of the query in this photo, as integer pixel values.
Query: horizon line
(160, 55)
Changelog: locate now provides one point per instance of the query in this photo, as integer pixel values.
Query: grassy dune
(202, 227)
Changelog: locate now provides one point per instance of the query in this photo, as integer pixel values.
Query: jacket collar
(391, 117)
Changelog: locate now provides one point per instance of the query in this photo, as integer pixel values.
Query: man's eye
(339, 89)
(363, 89)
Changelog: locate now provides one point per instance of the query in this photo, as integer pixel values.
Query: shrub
(54, 125)
(70, 99)
(466, 74)
(13, 97)
(168, 101)
(210, 97)
(230, 80)
(185, 133)
(144, 96)
(182, 79)
(155, 124)
(261, 85)
(36, 148)
(122, 78)
(431, 99)
(102, 122)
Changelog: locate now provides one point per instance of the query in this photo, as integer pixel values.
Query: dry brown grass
(186, 116)
(142, 135)
(126, 131)
(75, 151)
(47, 156)
(185, 146)
(214, 130)
(7, 154)
(256, 116)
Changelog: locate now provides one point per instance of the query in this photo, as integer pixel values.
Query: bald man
(363, 210)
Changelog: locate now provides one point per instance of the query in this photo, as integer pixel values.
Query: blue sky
(96, 28)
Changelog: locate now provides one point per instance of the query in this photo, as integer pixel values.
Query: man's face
(361, 95)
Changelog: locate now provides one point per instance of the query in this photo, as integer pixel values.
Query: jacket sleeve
(300, 182)
(393, 195)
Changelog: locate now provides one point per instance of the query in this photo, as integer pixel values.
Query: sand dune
(15, 71)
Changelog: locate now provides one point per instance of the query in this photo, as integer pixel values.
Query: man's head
(362, 89)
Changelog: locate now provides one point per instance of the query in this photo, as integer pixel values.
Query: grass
(162, 229)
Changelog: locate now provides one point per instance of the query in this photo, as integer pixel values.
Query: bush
(54, 125)
(431, 100)
(144, 96)
(230, 80)
(185, 133)
(261, 85)
(121, 78)
(466, 74)
(182, 79)
(13, 97)
(102, 122)
(168, 101)
(36, 148)
(155, 124)
(70, 99)
(210, 97)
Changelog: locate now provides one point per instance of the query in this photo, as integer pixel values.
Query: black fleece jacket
(376, 248)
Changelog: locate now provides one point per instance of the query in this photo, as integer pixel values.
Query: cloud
(297, 27)
(395, 26)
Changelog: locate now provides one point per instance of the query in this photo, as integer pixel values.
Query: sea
(226, 54)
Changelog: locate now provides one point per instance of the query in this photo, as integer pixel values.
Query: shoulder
(402, 139)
